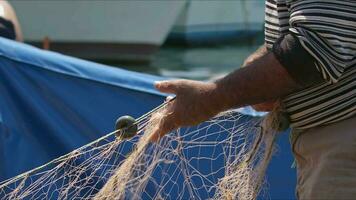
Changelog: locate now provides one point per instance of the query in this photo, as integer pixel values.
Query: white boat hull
(99, 29)
(134, 30)
(217, 21)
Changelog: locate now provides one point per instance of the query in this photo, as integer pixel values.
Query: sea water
(198, 63)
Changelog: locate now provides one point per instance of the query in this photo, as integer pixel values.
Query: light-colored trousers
(326, 161)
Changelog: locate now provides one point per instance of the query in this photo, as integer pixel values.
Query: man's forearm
(261, 51)
(263, 79)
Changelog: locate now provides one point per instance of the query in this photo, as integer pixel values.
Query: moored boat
(108, 30)
(134, 30)
(207, 22)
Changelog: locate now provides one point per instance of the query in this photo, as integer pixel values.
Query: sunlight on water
(200, 63)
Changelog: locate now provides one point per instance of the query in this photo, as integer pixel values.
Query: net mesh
(223, 158)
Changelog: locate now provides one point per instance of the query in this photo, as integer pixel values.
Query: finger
(160, 132)
(166, 86)
(166, 125)
(169, 98)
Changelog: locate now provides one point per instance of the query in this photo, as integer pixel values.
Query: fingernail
(158, 82)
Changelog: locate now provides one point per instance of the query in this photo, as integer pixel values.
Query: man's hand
(195, 102)
(263, 81)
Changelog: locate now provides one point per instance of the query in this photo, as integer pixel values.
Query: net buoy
(127, 125)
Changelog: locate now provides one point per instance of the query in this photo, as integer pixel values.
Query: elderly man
(307, 64)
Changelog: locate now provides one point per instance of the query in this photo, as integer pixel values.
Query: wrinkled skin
(186, 109)
(186, 101)
(198, 101)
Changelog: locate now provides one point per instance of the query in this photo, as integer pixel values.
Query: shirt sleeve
(299, 64)
(326, 30)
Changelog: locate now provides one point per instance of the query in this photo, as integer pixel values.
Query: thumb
(164, 127)
(166, 86)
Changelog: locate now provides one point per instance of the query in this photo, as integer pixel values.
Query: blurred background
(173, 38)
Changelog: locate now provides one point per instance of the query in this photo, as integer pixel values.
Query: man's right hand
(195, 102)
(264, 80)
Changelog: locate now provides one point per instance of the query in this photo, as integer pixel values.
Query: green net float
(127, 125)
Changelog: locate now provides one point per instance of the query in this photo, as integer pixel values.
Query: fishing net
(223, 158)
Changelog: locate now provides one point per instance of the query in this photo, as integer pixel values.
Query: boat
(214, 22)
(134, 30)
(52, 104)
(100, 30)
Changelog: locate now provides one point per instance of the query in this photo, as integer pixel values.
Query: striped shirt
(326, 29)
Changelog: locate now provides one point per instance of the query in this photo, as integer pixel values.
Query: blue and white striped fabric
(327, 30)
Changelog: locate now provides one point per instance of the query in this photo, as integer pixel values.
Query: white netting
(223, 158)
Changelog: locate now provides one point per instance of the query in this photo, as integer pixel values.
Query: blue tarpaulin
(51, 104)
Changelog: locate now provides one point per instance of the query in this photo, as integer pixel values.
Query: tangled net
(223, 158)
